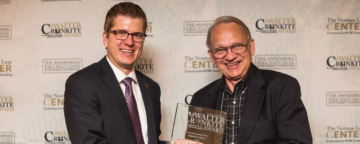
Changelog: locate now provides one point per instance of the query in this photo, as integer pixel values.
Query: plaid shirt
(233, 104)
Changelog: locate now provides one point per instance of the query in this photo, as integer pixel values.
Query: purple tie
(131, 103)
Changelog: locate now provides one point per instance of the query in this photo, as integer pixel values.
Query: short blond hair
(128, 9)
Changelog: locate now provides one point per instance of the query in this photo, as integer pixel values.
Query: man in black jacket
(263, 106)
(109, 101)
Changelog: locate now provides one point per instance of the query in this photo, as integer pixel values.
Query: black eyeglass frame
(231, 49)
(132, 34)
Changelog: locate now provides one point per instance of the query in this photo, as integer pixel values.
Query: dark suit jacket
(273, 111)
(96, 111)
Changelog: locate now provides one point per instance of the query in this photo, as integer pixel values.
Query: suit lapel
(252, 108)
(145, 92)
(214, 100)
(111, 82)
(253, 105)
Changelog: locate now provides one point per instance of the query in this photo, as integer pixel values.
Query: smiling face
(124, 53)
(233, 66)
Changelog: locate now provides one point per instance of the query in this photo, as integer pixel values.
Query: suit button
(233, 122)
(234, 102)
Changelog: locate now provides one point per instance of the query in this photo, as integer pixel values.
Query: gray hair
(226, 19)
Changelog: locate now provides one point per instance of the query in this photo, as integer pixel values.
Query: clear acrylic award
(199, 124)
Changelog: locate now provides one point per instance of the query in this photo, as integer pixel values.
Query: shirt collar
(119, 74)
(244, 80)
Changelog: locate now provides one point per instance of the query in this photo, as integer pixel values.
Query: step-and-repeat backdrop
(42, 42)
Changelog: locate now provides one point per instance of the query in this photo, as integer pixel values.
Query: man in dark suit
(109, 101)
(263, 106)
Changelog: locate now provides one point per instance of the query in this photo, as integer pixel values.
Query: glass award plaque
(199, 124)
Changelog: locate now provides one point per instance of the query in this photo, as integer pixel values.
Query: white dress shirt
(137, 94)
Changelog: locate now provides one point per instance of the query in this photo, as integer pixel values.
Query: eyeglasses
(123, 35)
(221, 52)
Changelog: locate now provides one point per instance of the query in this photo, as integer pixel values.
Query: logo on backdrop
(276, 25)
(6, 103)
(57, 0)
(276, 61)
(188, 98)
(5, 68)
(63, 29)
(7, 137)
(53, 101)
(343, 26)
(5, 32)
(4, 2)
(198, 64)
(149, 30)
(144, 65)
(57, 137)
(61, 65)
(339, 134)
(349, 62)
(343, 98)
(192, 28)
